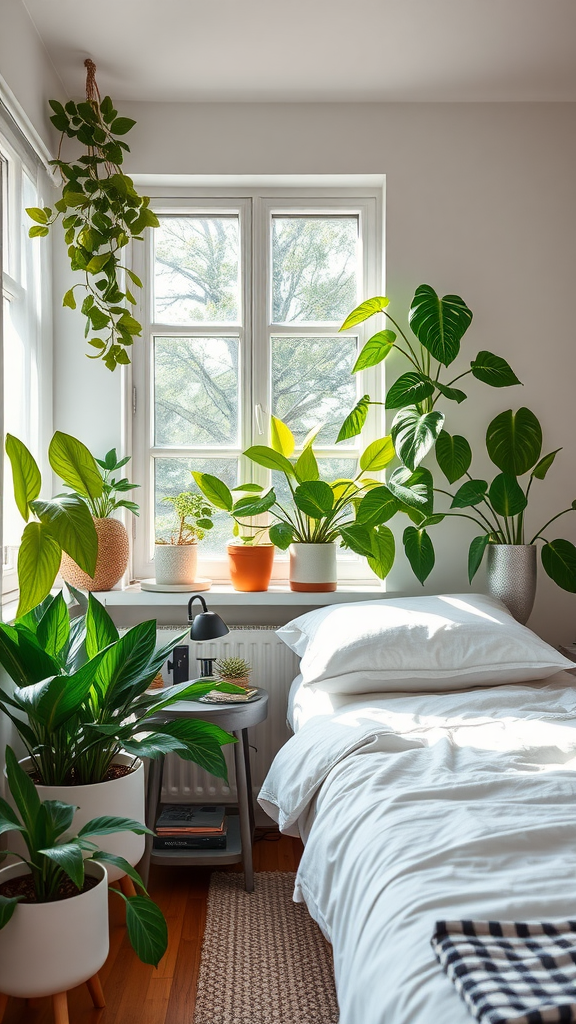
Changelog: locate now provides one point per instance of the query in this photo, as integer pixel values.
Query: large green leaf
(559, 561)
(469, 494)
(59, 817)
(416, 490)
(39, 559)
(306, 467)
(107, 825)
(514, 441)
(543, 466)
(415, 434)
(358, 538)
(73, 463)
(355, 420)
(452, 394)
(364, 311)
(126, 662)
(476, 554)
(53, 630)
(22, 656)
(153, 746)
(8, 905)
(24, 792)
(214, 489)
(267, 457)
(383, 551)
(70, 859)
(53, 701)
(69, 522)
(147, 929)
(281, 437)
(453, 455)
(100, 630)
(378, 506)
(506, 496)
(375, 350)
(119, 862)
(419, 552)
(25, 474)
(254, 506)
(377, 455)
(493, 370)
(204, 741)
(439, 323)
(410, 388)
(281, 535)
(314, 498)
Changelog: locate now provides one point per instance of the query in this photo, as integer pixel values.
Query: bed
(426, 806)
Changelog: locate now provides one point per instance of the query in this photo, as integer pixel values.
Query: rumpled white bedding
(422, 807)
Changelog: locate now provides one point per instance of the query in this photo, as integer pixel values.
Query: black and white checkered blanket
(511, 972)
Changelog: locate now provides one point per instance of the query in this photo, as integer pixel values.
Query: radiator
(274, 666)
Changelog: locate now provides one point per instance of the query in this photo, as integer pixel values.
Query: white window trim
(368, 202)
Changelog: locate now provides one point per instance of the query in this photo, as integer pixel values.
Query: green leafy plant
(233, 668)
(352, 510)
(514, 445)
(80, 696)
(101, 213)
(194, 518)
(54, 855)
(108, 502)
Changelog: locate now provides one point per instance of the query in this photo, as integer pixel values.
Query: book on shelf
(205, 819)
(216, 842)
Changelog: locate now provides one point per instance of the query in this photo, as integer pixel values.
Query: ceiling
(314, 50)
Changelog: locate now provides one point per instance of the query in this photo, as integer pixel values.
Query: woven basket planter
(112, 561)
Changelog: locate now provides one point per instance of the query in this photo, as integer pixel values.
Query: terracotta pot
(112, 561)
(175, 564)
(313, 568)
(250, 566)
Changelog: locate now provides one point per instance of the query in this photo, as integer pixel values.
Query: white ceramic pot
(313, 568)
(51, 947)
(175, 563)
(122, 798)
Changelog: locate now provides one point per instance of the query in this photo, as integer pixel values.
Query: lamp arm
(196, 597)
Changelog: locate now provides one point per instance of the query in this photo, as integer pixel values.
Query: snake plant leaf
(453, 455)
(416, 490)
(364, 311)
(306, 467)
(559, 561)
(75, 465)
(214, 490)
(419, 552)
(476, 554)
(267, 457)
(383, 551)
(69, 522)
(314, 498)
(281, 535)
(255, 506)
(514, 441)
(355, 420)
(415, 434)
(452, 394)
(25, 474)
(493, 370)
(439, 323)
(147, 929)
(469, 494)
(506, 496)
(543, 466)
(410, 388)
(281, 437)
(377, 455)
(378, 506)
(39, 558)
(375, 350)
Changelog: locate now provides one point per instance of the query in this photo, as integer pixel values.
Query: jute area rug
(264, 960)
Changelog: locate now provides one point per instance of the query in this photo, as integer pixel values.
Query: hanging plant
(101, 213)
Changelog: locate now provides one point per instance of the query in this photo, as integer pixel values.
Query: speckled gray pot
(511, 573)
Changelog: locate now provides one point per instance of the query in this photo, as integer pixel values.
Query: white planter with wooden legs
(48, 948)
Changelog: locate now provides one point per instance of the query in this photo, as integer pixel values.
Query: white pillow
(444, 642)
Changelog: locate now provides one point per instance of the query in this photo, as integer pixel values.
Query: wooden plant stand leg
(127, 886)
(3, 1003)
(60, 1004)
(95, 990)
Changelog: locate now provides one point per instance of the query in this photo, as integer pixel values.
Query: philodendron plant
(53, 855)
(353, 510)
(80, 696)
(514, 445)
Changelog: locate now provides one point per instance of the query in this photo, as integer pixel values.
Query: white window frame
(255, 208)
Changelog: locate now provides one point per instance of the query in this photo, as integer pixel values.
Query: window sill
(224, 594)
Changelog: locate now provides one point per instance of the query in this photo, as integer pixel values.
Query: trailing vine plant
(101, 213)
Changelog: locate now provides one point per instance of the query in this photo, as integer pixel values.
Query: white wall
(26, 67)
(481, 201)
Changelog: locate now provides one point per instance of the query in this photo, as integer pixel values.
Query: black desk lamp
(205, 626)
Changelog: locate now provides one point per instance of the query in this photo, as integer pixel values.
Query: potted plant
(176, 558)
(81, 709)
(514, 445)
(54, 902)
(234, 670)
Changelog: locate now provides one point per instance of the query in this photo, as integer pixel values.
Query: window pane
(196, 391)
(197, 270)
(312, 383)
(314, 268)
(172, 476)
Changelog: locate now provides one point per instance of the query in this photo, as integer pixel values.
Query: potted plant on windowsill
(176, 558)
(54, 903)
(81, 709)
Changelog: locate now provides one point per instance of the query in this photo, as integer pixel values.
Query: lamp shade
(205, 625)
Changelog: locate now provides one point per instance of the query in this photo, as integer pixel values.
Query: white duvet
(418, 808)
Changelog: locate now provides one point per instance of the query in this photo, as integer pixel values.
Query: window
(244, 298)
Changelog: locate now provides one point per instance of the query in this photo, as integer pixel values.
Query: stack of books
(189, 827)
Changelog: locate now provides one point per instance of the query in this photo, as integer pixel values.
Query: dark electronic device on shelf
(179, 665)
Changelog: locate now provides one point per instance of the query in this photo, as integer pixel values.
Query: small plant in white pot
(54, 902)
(176, 552)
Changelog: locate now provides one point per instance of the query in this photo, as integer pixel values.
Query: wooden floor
(136, 993)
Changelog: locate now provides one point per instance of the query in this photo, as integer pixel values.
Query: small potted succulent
(176, 552)
(234, 670)
(54, 902)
